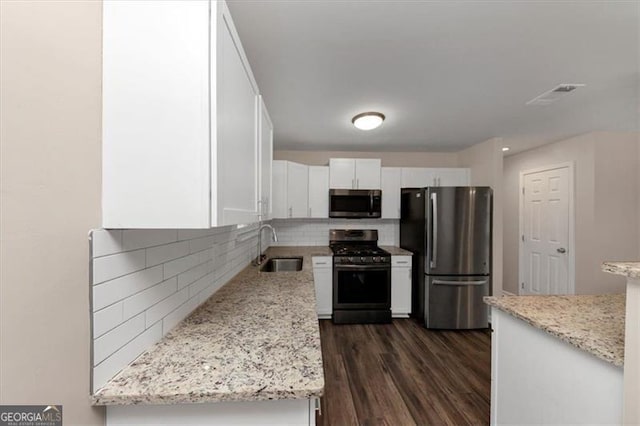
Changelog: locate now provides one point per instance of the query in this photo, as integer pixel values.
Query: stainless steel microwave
(355, 203)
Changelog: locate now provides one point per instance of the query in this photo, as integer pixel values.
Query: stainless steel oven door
(361, 287)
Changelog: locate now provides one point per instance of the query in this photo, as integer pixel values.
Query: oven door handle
(382, 267)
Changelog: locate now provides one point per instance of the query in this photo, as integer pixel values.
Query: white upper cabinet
(319, 191)
(452, 177)
(266, 161)
(418, 177)
(368, 173)
(354, 173)
(298, 189)
(180, 117)
(391, 181)
(290, 190)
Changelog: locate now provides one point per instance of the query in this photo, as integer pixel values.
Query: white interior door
(546, 227)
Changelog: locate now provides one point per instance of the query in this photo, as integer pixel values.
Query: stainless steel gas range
(361, 277)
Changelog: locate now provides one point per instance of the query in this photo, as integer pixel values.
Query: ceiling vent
(554, 94)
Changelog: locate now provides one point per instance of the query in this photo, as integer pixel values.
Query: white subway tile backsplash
(167, 252)
(189, 234)
(149, 297)
(116, 265)
(173, 318)
(105, 294)
(146, 281)
(110, 342)
(142, 238)
(125, 355)
(105, 242)
(194, 274)
(162, 308)
(107, 318)
(200, 244)
(200, 285)
(175, 267)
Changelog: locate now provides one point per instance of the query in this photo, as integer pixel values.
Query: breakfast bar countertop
(257, 338)
(628, 269)
(593, 323)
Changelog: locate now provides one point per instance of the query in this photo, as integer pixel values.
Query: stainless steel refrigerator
(448, 229)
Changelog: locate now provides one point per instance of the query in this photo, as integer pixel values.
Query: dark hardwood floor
(403, 374)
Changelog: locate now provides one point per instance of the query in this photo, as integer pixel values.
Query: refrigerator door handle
(434, 232)
(459, 283)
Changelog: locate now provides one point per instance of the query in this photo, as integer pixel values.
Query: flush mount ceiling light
(368, 120)
(505, 148)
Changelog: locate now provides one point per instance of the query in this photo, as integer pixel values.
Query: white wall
(486, 162)
(50, 187)
(606, 205)
(315, 232)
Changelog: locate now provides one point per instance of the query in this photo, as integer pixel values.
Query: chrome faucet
(261, 257)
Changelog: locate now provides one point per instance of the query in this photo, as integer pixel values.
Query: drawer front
(404, 261)
(322, 261)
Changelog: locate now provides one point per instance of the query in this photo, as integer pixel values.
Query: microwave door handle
(371, 202)
(434, 233)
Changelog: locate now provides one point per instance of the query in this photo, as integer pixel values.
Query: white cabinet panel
(297, 189)
(155, 117)
(452, 176)
(400, 286)
(390, 183)
(342, 173)
(368, 173)
(417, 177)
(279, 183)
(323, 281)
(237, 150)
(319, 191)
(290, 189)
(266, 161)
(180, 125)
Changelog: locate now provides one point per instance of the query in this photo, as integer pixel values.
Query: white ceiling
(447, 74)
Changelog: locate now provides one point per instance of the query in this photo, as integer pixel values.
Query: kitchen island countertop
(257, 338)
(593, 323)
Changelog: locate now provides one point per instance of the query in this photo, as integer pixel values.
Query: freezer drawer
(455, 302)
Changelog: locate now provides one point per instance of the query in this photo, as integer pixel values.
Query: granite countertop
(594, 324)
(257, 338)
(396, 251)
(628, 269)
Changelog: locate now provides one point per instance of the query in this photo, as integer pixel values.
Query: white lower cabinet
(400, 286)
(274, 412)
(323, 281)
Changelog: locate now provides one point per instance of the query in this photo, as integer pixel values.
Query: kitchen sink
(282, 264)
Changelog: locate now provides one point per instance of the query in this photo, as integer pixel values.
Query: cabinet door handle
(403, 262)
(357, 183)
(353, 184)
(309, 211)
(290, 211)
(320, 263)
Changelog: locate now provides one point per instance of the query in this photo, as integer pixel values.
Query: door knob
(562, 250)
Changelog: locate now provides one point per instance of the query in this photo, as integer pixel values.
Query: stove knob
(362, 258)
(376, 259)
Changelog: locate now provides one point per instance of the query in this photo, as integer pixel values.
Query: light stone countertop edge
(627, 269)
(592, 323)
